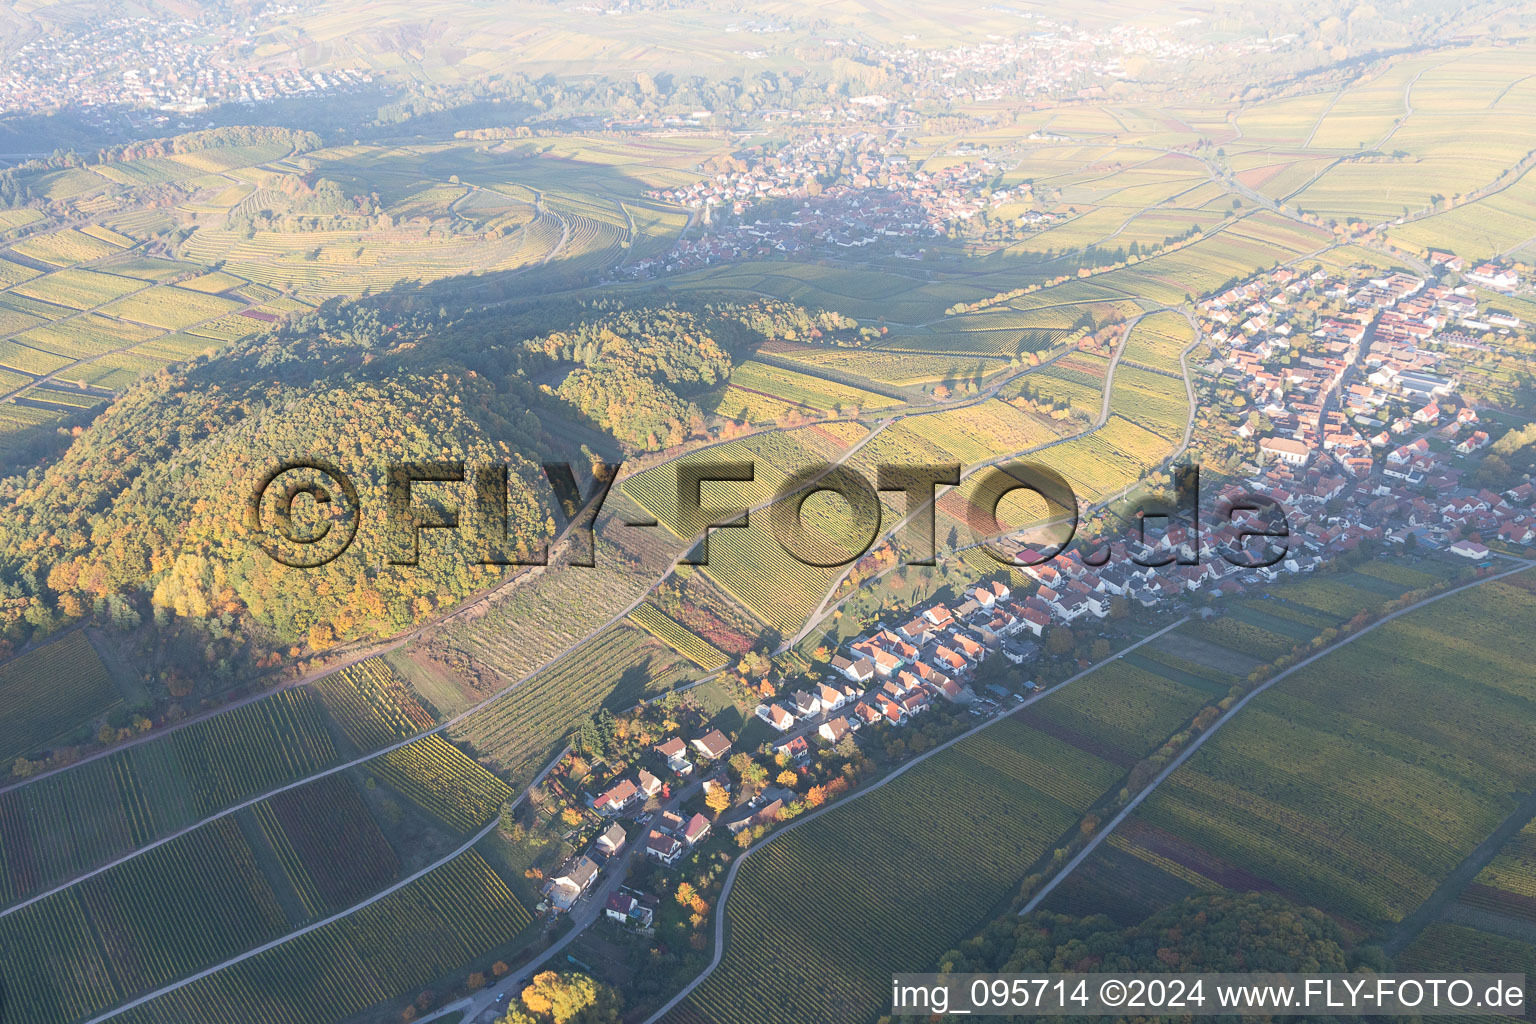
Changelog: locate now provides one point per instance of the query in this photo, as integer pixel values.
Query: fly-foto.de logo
(307, 513)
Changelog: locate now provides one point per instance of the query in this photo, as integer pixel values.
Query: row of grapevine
(372, 705)
(328, 843)
(615, 670)
(443, 781)
(69, 822)
(395, 946)
(50, 690)
(192, 902)
(677, 636)
(1341, 795)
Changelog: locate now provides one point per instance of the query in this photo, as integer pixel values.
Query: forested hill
(141, 519)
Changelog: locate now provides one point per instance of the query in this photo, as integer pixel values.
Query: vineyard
(76, 288)
(957, 833)
(1124, 713)
(433, 926)
(977, 433)
(181, 907)
(1153, 401)
(69, 822)
(170, 307)
(549, 614)
(176, 909)
(254, 748)
(50, 691)
(1338, 786)
(517, 732)
(330, 848)
(774, 457)
(677, 636)
(895, 367)
(1107, 460)
(440, 779)
(803, 389)
(1231, 631)
(1507, 886)
(1158, 339)
(372, 705)
(1447, 948)
(776, 586)
(65, 248)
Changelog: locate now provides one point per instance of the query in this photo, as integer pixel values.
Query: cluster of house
(159, 63)
(893, 674)
(580, 873)
(673, 836)
(1048, 58)
(874, 196)
(1354, 420)
(1320, 409)
(667, 840)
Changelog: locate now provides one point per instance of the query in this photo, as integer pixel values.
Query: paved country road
(1189, 751)
(730, 878)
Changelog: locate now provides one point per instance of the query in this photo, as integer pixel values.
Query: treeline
(15, 192)
(1205, 933)
(140, 523)
(211, 138)
(307, 201)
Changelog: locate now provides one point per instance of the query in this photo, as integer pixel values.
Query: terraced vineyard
(50, 691)
(69, 822)
(518, 732)
(455, 915)
(440, 779)
(957, 833)
(1358, 783)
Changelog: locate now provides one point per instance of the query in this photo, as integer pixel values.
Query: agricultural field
(803, 389)
(372, 705)
(957, 832)
(51, 691)
(440, 779)
(1157, 341)
(892, 367)
(517, 733)
(66, 248)
(71, 821)
(171, 307)
(175, 909)
(331, 850)
(77, 289)
(1359, 782)
(677, 636)
(976, 433)
(455, 915)
(542, 618)
(775, 457)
